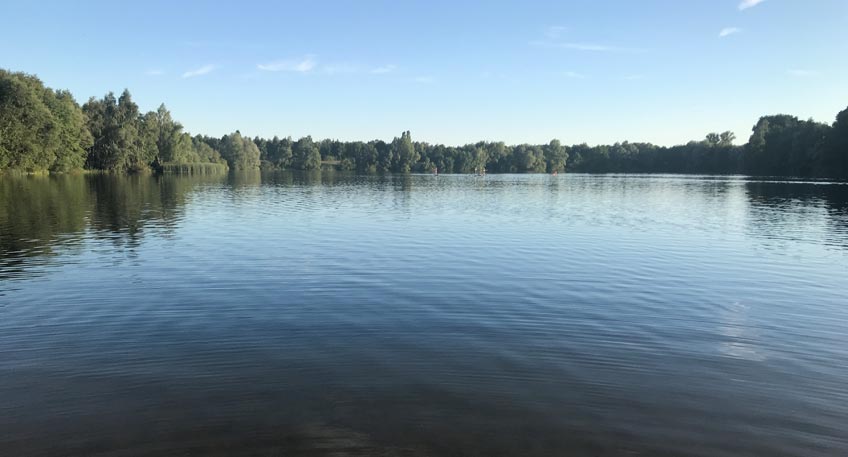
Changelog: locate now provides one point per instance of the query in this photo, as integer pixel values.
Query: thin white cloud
(554, 39)
(383, 69)
(341, 68)
(424, 79)
(749, 4)
(206, 69)
(303, 65)
(574, 75)
(489, 75)
(727, 31)
(587, 47)
(154, 72)
(309, 64)
(802, 73)
(555, 31)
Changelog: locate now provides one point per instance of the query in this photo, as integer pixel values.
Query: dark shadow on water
(784, 209)
(42, 214)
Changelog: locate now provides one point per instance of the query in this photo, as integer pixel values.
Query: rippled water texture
(423, 316)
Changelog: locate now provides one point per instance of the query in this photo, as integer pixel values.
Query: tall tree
(783, 145)
(555, 156)
(835, 160)
(40, 129)
(403, 154)
(305, 154)
(119, 143)
(240, 153)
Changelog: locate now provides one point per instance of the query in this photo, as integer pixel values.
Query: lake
(417, 315)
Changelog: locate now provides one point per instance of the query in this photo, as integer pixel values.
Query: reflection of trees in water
(837, 209)
(39, 214)
(787, 210)
(311, 178)
(120, 204)
(244, 178)
(125, 205)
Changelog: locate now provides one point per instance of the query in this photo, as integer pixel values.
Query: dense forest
(46, 130)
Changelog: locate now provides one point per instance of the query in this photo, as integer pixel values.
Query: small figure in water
(554, 173)
(436, 171)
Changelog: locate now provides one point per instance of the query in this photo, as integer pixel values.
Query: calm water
(423, 316)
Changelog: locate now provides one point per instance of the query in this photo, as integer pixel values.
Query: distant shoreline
(45, 130)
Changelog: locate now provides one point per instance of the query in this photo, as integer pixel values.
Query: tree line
(42, 129)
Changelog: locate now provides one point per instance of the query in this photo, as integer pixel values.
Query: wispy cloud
(154, 72)
(309, 64)
(424, 79)
(727, 31)
(253, 75)
(802, 73)
(586, 47)
(303, 65)
(341, 68)
(575, 46)
(555, 31)
(490, 75)
(574, 75)
(383, 69)
(749, 4)
(230, 44)
(206, 69)
(554, 39)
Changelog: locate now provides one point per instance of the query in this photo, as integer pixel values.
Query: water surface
(505, 315)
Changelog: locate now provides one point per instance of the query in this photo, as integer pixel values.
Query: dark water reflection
(333, 314)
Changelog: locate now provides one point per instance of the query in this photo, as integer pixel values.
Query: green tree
(305, 154)
(239, 152)
(480, 160)
(782, 145)
(835, 160)
(28, 137)
(204, 152)
(40, 129)
(726, 139)
(403, 154)
(556, 156)
(118, 141)
(275, 153)
(149, 136)
(74, 137)
(173, 145)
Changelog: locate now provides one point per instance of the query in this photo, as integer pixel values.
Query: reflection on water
(506, 315)
(741, 335)
(781, 211)
(40, 215)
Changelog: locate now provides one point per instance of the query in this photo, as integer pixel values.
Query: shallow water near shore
(419, 315)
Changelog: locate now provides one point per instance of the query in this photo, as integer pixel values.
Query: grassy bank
(195, 168)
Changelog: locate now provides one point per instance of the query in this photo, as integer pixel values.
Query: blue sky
(664, 71)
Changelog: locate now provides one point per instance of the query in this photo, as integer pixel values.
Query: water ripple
(334, 314)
